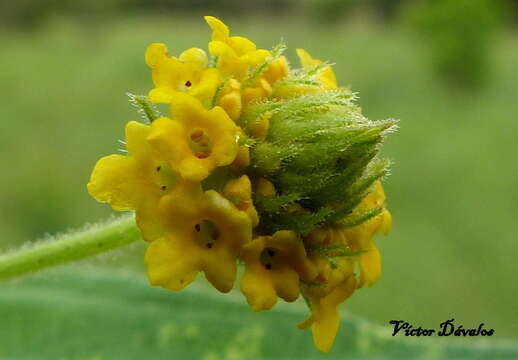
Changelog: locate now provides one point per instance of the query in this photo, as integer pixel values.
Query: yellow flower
(327, 76)
(361, 237)
(205, 232)
(239, 192)
(235, 53)
(242, 160)
(333, 285)
(325, 318)
(134, 182)
(188, 73)
(262, 87)
(277, 70)
(329, 275)
(259, 91)
(197, 140)
(274, 265)
(230, 99)
(260, 126)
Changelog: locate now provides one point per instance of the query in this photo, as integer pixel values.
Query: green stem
(147, 109)
(69, 247)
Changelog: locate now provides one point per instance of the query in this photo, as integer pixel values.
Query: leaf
(78, 314)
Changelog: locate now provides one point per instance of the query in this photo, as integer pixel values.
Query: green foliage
(320, 153)
(92, 314)
(29, 14)
(331, 11)
(459, 34)
(387, 9)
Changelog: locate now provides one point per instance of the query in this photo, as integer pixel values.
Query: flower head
(261, 164)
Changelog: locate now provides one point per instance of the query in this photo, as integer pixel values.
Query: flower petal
(256, 283)
(286, 283)
(148, 219)
(162, 95)
(220, 267)
(207, 84)
(136, 143)
(116, 180)
(234, 225)
(370, 266)
(288, 243)
(241, 45)
(220, 31)
(325, 318)
(230, 99)
(327, 76)
(194, 56)
(173, 262)
(155, 52)
(239, 192)
(277, 70)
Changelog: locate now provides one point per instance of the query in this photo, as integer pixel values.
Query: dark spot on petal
(209, 245)
(158, 168)
(202, 155)
(163, 187)
(197, 227)
(197, 135)
(268, 266)
(188, 83)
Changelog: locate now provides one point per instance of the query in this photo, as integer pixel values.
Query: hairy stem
(69, 247)
(146, 109)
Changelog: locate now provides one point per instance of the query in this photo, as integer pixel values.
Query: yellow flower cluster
(193, 226)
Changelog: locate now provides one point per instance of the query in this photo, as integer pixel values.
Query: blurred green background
(446, 68)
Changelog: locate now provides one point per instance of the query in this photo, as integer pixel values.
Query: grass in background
(452, 193)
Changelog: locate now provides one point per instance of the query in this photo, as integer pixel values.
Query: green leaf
(76, 314)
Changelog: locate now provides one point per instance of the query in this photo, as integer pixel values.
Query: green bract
(320, 153)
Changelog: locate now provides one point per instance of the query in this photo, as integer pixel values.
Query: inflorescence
(259, 163)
